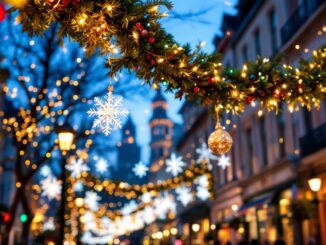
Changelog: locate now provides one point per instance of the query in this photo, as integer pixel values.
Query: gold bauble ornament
(17, 3)
(220, 141)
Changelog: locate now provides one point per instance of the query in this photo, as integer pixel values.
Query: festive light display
(129, 31)
(174, 165)
(224, 161)
(140, 170)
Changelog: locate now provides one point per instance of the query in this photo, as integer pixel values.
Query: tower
(161, 129)
(128, 153)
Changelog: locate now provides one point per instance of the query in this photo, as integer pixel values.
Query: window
(245, 53)
(250, 158)
(263, 140)
(281, 133)
(273, 30)
(257, 37)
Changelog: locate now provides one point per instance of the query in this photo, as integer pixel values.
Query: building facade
(264, 194)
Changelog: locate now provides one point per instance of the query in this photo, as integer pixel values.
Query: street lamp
(65, 139)
(315, 185)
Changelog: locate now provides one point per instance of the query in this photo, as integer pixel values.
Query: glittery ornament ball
(220, 141)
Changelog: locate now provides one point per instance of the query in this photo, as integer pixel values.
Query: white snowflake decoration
(224, 161)
(202, 181)
(91, 200)
(45, 171)
(51, 188)
(184, 195)
(108, 113)
(149, 215)
(101, 166)
(174, 165)
(202, 193)
(129, 208)
(146, 197)
(77, 167)
(78, 186)
(163, 205)
(140, 170)
(49, 225)
(205, 154)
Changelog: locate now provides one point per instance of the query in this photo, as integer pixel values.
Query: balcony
(313, 141)
(298, 18)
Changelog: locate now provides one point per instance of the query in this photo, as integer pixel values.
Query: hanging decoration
(101, 166)
(140, 170)
(174, 165)
(77, 167)
(51, 188)
(108, 113)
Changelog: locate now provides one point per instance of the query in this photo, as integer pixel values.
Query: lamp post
(79, 202)
(65, 138)
(315, 185)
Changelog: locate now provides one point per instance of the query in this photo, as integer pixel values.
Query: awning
(257, 202)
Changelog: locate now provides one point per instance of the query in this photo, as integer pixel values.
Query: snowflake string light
(45, 171)
(146, 197)
(184, 195)
(91, 200)
(77, 167)
(163, 205)
(108, 113)
(101, 166)
(140, 170)
(78, 186)
(51, 188)
(149, 215)
(205, 154)
(224, 161)
(129, 208)
(49, 225)
(202, 181)
(174, 165)
(202, 193)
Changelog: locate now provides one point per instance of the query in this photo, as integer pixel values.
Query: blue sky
(193, 31)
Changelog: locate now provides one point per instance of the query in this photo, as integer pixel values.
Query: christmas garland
(128, 32)
(122, 189)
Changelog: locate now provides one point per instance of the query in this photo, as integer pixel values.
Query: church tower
(128, 153)
(161, 130)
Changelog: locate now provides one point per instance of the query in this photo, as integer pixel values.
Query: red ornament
(151, 40)
(207, 101)
(144, 33)
(299, 87)
(135, 68)
(152, 62)
(170, 55)
(148, 57)
(210, 80)
(2, 12)
(249, 99)
(138, 26)
(196, 89)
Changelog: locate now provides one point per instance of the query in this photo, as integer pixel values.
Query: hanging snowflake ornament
(51, 188)
(184, 195)
(91, 200)
(202, 193)
(101, 166)
(77, 167)
(146, 197)
(205, 154)
(78, 186)
(140, 170)
(108, 113)
(223, 161)
(202, 181)
(45, 171)
(49, 225)
(129, 208)
(174, 165)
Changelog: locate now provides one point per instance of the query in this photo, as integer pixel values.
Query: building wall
(276, 135)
